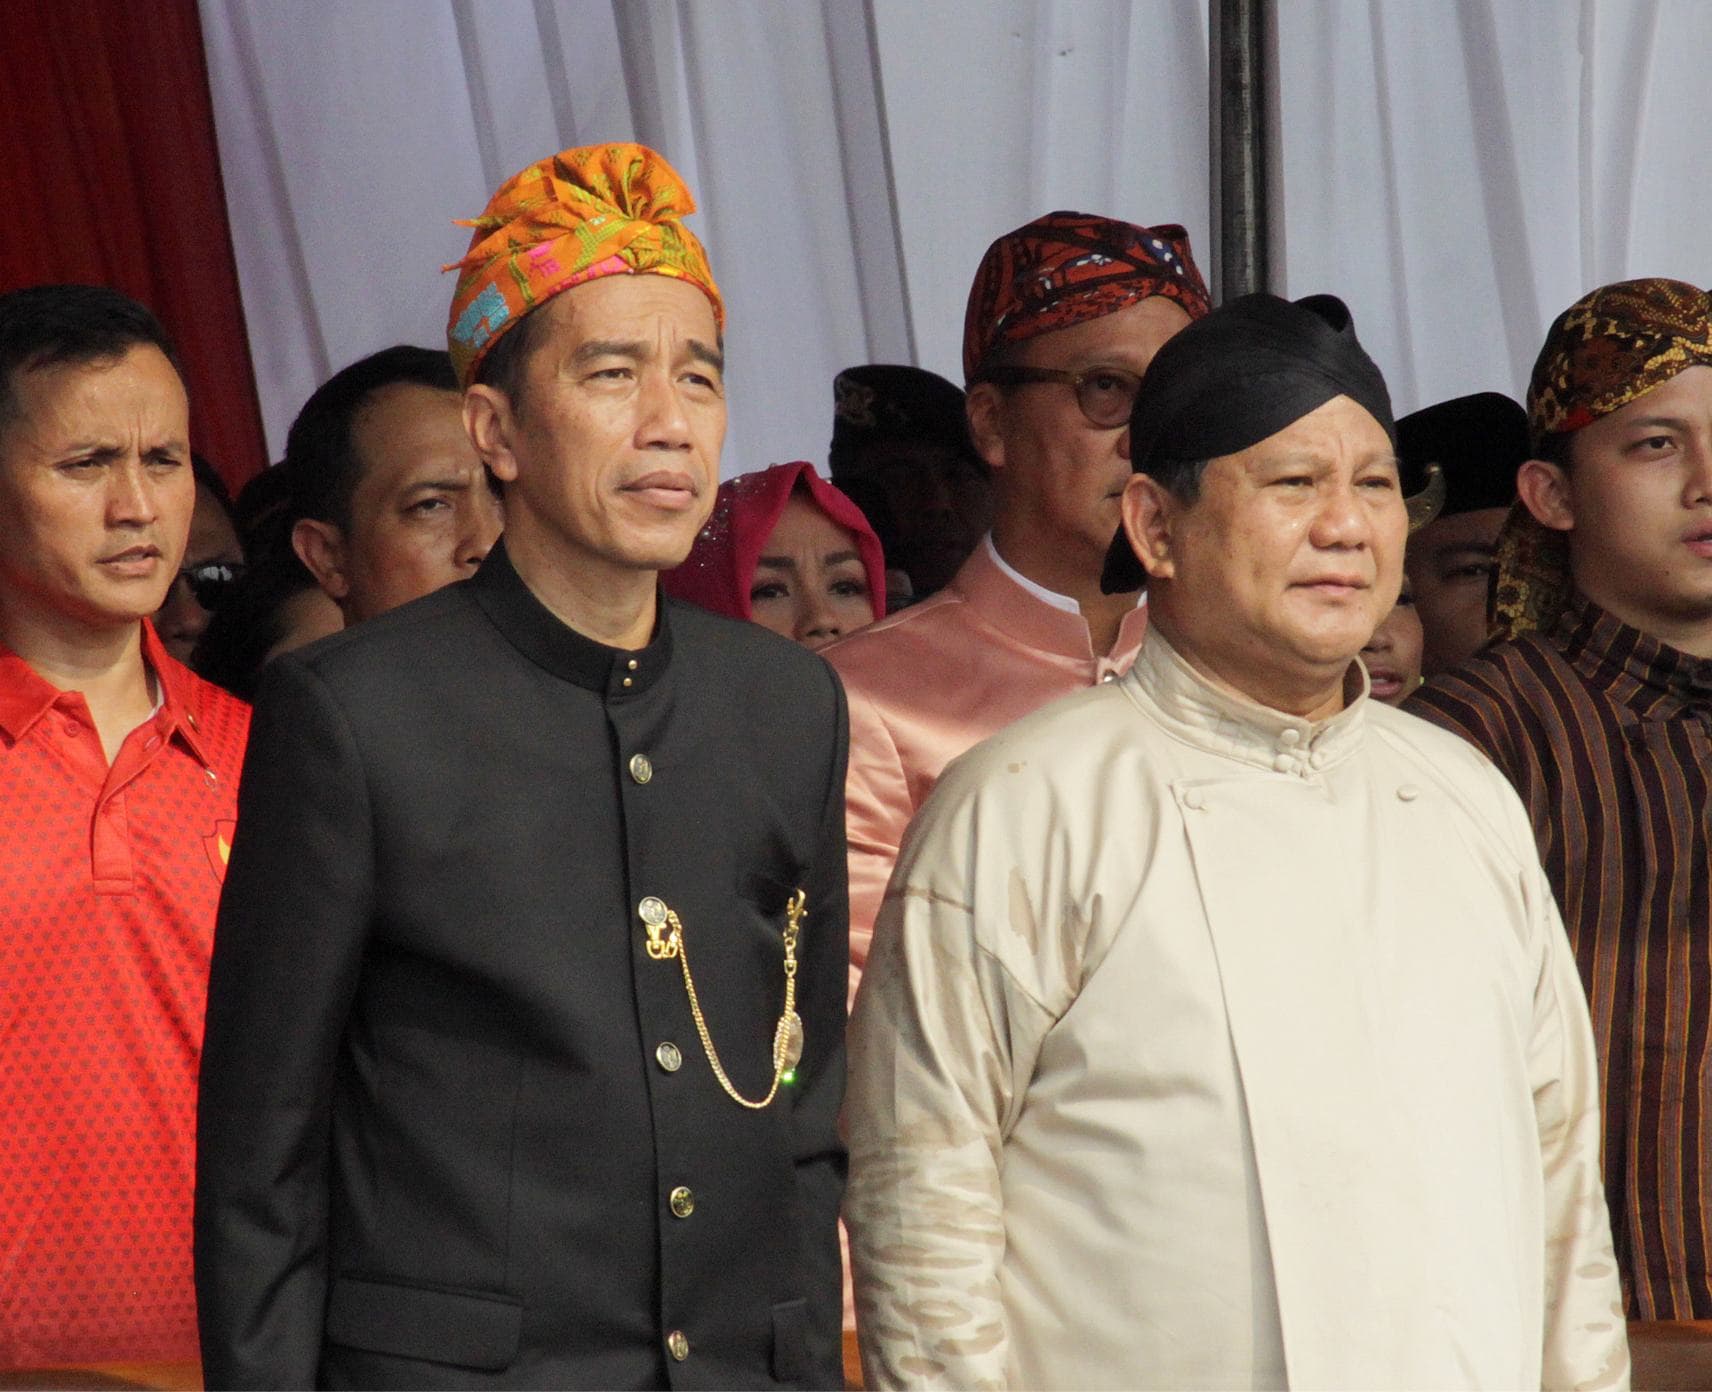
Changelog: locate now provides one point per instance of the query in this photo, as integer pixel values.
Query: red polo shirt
(109, 878)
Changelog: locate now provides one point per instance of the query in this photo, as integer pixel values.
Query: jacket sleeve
(878, 808)
(1586, 1340)
(288, 946)
(819, 1094)
(943, 1042)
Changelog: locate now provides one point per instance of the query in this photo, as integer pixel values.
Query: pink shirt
(934, 680)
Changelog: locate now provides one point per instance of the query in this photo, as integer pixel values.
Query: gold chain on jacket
(666, 941)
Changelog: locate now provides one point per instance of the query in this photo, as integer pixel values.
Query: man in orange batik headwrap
(525, 1036)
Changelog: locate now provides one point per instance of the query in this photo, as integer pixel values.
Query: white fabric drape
(1459, 170)
(852, 158)
(1462, 172)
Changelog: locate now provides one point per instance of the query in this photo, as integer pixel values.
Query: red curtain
(109, 175)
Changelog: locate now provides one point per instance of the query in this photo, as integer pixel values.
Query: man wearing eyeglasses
(118, 798)
(1064, 316)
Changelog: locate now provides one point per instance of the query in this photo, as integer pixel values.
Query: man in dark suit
(525, 1031)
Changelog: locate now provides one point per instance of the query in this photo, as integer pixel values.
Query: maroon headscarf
(720, 569)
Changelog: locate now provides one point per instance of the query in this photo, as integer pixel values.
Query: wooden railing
(1669, 1356)
(168, 1377)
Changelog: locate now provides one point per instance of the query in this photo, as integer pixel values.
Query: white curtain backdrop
(852, 159)
(1461, 173)
(1459, 170)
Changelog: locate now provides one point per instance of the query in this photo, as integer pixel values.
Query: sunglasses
(1105, 394)
(212, 581)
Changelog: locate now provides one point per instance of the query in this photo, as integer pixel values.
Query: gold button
(683, 1202)
(652, 911)
(668, 1057)
(641, 769)
(677, 1345)
(631, 664)
(629, 682)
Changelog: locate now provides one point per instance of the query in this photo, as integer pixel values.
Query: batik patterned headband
(585, 213)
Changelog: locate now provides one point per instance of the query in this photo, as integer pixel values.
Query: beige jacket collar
(1221, 721)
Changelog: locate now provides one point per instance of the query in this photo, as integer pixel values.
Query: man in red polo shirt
(118, 794)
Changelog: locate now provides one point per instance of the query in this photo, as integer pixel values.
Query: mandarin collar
(554, 646)
(1633, 667)
(1222, 722)
(1009, 607)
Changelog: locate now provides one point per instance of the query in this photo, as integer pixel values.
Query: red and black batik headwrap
(1065, 268)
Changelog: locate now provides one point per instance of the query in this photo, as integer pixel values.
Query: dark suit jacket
(440, 1132)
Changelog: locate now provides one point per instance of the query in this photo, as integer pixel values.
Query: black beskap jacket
(440, 1134)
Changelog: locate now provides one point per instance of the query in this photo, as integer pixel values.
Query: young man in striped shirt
(1600, 713)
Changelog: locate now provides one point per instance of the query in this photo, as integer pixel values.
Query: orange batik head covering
(595, 211)
(1609, 348)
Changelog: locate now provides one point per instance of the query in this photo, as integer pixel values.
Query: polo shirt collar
(177, 714)
(553, 645)
(26, 695)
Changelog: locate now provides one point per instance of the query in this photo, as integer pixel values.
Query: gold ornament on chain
(666, 941)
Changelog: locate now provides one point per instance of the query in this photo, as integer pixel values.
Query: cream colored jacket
(1202, 1046)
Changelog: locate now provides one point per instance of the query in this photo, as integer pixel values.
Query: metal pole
(1237, 72)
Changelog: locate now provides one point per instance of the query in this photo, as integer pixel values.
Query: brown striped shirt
(1607, 735)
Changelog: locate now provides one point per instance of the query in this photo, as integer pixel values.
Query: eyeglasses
(1105, 394)
(212, 581)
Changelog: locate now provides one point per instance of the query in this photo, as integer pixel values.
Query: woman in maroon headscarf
(786, 550)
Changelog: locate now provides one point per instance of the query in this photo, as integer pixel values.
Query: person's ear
(1545, 492)
(491, 424)
(1149, 512)
(984, 406)
(321, 548)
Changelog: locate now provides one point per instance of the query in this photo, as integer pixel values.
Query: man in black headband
(1478, 442)
(901, 450)
(1219, 1028)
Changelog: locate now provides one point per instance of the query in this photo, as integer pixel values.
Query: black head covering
(1237, 377)
(1478, 441)
(882, 402)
